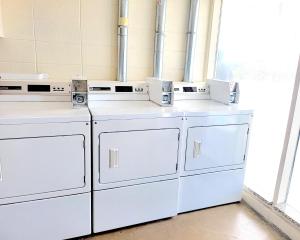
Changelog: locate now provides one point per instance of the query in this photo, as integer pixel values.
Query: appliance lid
(210, 107)
(107, 110)
(41, 112)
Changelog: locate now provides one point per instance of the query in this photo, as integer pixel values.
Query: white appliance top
(23, 102)
(107, 110)
(41, 112)
(193, 108)
(124, 100)
(194, 100)
(105, 103)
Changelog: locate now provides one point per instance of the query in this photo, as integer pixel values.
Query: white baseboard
(287, 226)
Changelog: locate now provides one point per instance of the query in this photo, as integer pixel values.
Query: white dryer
(214, 151)
(45, 162)
(135, 155)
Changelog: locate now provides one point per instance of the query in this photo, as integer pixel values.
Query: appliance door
(137, 154)
(41, 164)
(215, 146)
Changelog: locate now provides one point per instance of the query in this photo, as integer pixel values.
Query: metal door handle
(113, 158)
(197, 149)
(1, 175)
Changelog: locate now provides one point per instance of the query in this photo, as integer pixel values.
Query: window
(259, 47)
(293, 199)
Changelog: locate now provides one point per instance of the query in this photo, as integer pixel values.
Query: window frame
(288, 155)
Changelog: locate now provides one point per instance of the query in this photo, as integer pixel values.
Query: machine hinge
(84, 179)
(248, 130)
(244, 157)
(83, 144)
(178, 136)
(176, 166)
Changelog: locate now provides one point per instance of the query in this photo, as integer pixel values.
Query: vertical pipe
(122, 40)
(159, 38)
(191, 40)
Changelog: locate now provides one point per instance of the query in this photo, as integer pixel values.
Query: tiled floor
(230, 222)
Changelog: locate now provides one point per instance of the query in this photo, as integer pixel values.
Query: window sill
(290, 213)
(275, 216)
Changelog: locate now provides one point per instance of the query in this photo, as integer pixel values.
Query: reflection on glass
(293, 199)
(259, 47)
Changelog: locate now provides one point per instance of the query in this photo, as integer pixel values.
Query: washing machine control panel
(114, 87)
(36, 87)
(186, 91)
(119, 91)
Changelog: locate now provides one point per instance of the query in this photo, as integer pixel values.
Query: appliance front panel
(124, 206)
(215, 146)
(48, 219)
(210, 189)
(128, 155)
(41, 164)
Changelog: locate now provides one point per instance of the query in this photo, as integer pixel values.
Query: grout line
(59, 42)
(18, 62)
(34, 38)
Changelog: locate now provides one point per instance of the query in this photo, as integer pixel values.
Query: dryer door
(137, 154)
(42, 164)
(215, 146)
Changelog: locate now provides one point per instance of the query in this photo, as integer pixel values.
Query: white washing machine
(135, 155)
(45, 162)
(214, 151)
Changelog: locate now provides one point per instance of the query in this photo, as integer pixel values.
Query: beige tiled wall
(65, 38)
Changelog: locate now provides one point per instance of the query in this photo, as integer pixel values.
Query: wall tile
(173, 74)
(202, 49)
(57, 20)
(140, 39)
(18, 19)
(142, 58)
(142, 14)
(177, 16)
(17, 67)
(174, 59)
(59, 72)
(100, 21)
(58, 53)
(12, 50)
(99, 73)
(80, 36)
(175, 41)
(139, 74)
(98, 55)
(141, 33)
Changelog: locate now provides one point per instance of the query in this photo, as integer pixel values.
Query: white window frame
(289, 148)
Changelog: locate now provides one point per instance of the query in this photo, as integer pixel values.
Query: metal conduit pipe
(191, 41)
(122, 40)
(159, 38)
